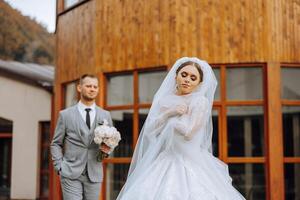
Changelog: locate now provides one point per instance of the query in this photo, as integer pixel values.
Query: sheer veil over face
(150, 144)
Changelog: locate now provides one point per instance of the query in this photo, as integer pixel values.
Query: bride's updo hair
(193, 64)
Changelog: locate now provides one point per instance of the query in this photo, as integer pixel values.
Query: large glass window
(69, 3)
(149, 83)
(290, 82)
(292, 180)
(215, 138)
(290, 94)
(291, 130)
(244, 83)
(245, 125)
(217, 74)
(116, 175)
(44, 159)
(5, 157)
(129, 98)
(249, 179)
(142, 117)
(120, 89)
(71, 94)
(123, 121)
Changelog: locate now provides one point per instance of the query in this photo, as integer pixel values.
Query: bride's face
(187, 79)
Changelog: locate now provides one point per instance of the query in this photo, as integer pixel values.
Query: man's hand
(104, 148)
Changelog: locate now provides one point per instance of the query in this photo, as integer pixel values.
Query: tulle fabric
(181, 169)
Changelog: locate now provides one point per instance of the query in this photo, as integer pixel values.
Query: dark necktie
(87, 117)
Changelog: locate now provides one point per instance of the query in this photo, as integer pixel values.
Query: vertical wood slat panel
(116, 35)
(166, 43)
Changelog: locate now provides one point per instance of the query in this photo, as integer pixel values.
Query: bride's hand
(180, 128)
(181, 109)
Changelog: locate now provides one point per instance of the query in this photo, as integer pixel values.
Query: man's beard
(87, 98)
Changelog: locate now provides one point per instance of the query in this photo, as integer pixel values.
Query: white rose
(97, 140)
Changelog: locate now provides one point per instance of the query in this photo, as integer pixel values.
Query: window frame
(44, 144)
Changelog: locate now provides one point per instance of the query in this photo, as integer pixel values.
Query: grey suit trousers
(80, 188)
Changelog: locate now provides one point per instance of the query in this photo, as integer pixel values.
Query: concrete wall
(25, 105)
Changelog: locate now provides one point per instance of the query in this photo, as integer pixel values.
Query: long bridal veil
(149, 144)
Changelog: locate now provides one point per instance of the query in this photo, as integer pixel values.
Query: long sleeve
(166, 110)
(189, 123)
(56, 146)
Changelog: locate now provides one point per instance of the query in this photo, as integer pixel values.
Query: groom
(73, 150)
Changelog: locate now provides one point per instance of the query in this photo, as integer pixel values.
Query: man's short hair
(87, 75)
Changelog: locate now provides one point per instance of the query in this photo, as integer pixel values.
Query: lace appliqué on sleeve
(189, 123)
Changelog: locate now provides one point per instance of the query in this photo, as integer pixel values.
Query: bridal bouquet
(107, 135)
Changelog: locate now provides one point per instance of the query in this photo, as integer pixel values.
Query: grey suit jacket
(73, 147)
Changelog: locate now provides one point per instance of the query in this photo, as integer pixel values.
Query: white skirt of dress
(173, 176)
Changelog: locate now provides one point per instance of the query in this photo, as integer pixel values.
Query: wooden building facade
(254, 48)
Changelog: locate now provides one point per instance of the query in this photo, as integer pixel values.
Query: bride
(173, 158)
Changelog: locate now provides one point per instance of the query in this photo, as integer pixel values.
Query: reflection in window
(244, 83)
(290, 82)
(217, 74)
(6, 127)
(142, 117)
(69, 3)
(249, 179)
(116, 175)
(71, 94)
(292, 181)
(5, 165)
(149, 83)
(215, 137)
(291, 130)
(120, 90)
(245, 126)
(123, 121)
(44, 159)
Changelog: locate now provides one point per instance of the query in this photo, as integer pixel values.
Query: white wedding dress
(173, 160)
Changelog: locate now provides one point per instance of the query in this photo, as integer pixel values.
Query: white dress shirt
(81, 107)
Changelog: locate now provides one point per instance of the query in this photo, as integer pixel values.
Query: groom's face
(89, 88)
